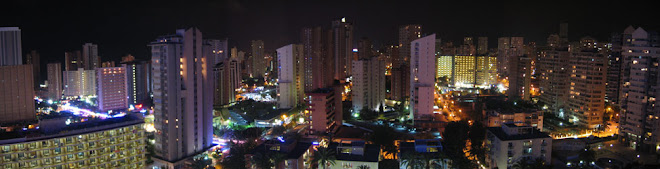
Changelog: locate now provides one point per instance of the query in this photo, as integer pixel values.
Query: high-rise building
(464, 71)
(137, 80)
(407, 34)
(291, 70)
(11, 52)
(227, 80)
(73, 60)
(32, 58)
(445, 66)
(400, 81)
(325, 107)
(90, 56)
(183, 101)
(520, 78)
(80, 82)
(639, 127)
(365, 48)
(400, 86)
(319, 61)
(554, 78)
(258, 59)
(510, 143)
(482, 46)
(422, 76)
(486, 71)
(613, 86)
(112, 89)
(16, 94)
(343, 48)
(54, 84)
(586, 101)
(503, 45)
(219, 49)
(368, 89)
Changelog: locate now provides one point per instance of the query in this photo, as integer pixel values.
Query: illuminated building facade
(639, 127)
(79, 82)
(112, 88)
(290, 88)
(183, 103)
(325, 106)
(445, 66)
(422, 76)
(586, 101)
(318, 54)
(554, 76)
(137, 78)
(368, 89)
(116, 145)
(90, 56)
(464, 71)
(486, 71)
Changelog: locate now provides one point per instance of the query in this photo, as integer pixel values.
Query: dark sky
(123, 27)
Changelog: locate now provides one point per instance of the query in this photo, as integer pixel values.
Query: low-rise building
(352, 154)
(520, 113)
(510, 143)
(428, 147)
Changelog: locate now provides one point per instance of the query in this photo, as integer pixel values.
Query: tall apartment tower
(586, 101)
(343, 48)
(137, 80)
(227, 80)
(641, 53)
(400, 88)
(54, 71)
(219, 49)
(503, 45)
(486, 71)
(368, 84)
(318, 55)
(463, 72)
(325, 107)
(73, 60)
(482, 46)
(554, 78)
(16, 94)
(80, 82)
(291, 71)
(614, 69)
(258, 58)
(365, 48)
(183, 103)
(112, 89)
(33, 58)
(520, 78)
(90, 56)
(422, 76)
(11, 52)
(407, 34)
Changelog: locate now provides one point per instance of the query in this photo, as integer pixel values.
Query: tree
(200, 163)
(384, 137)
(477, 135)
(588, 155)
(363, 167)
(367, 114)
(261, 160)
(455, 138)
(388, 164)
(412, 160)
(277, 158)
(324, 156)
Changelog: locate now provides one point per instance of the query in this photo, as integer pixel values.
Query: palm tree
(413, 160)
(324, 156)
(523, 163)
(363, 167)
(261, 160)
(277, 158)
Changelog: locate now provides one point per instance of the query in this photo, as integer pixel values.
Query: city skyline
(239, 21)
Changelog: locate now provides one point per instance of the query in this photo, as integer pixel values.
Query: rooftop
(532, 132)
(62, 127)
(371, 153)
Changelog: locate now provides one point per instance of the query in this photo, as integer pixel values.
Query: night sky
(120, 28)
